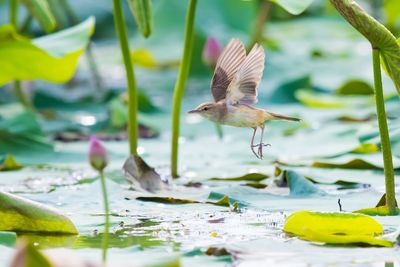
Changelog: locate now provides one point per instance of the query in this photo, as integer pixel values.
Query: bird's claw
(259, 153)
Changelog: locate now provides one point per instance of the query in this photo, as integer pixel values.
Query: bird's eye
(206, 108)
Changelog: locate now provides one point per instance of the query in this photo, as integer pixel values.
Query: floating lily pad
(255, 177)
(361, 161)
(22, 215)
(335, 228)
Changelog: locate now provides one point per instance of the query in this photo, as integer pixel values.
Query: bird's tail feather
(282, 117)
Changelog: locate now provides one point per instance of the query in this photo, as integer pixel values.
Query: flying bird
(234, 87)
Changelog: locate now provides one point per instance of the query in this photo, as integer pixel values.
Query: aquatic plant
(181, 83)
(98, 160)
(51, 52)
(143, 16)
(385, 46)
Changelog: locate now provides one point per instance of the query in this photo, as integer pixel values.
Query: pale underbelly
(244, 117)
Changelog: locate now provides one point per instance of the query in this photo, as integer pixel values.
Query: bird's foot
(259, 153)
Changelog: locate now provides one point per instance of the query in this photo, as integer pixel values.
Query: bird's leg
(261, 144)
(252, 146)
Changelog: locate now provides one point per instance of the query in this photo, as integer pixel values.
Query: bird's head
(207, 110)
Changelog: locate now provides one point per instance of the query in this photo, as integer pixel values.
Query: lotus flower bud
(97, 154)
(211, 52)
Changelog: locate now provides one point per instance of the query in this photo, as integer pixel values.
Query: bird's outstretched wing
(228, 64)
(243, 88)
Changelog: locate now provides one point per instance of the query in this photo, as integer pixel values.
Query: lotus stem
(180, 84)
(19, 93)
(262, 17)
(21, 96)
(105, 239)
(384, 135)
(13, 12)
(130, 75)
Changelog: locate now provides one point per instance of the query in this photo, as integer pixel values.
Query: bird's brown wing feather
(244, 87)
(228, 64)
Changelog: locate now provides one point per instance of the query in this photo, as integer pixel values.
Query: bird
(234, 87)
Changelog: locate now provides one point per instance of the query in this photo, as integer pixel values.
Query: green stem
(384, 134)
(21, 96)
(13, 12)
(19, 93)
(130, 75)
(262, 16)
(104, 243)
(180, 84)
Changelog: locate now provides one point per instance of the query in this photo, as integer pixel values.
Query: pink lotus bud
(97, 154)
(211, 51)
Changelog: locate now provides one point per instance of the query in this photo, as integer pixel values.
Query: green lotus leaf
(335, 228)
(53, 58)
(294, 7)
(22, 215)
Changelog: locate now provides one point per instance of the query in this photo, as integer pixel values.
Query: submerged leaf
(376, 33)
(335, 228)
(40, 9)
(9, 164)
(22, 215)
(52, 58)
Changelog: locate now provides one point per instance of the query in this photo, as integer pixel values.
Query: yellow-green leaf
(335, 228)
(40, 9)
(52, 58)
(22, 215)
(141, 10)
(144, 58)
(343, 223)
(345, 239)
(9, 164)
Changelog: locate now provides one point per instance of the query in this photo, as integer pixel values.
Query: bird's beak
(193, 111)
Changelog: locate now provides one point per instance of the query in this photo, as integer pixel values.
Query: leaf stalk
(384, 134)
(130, 75)
(179, 90)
